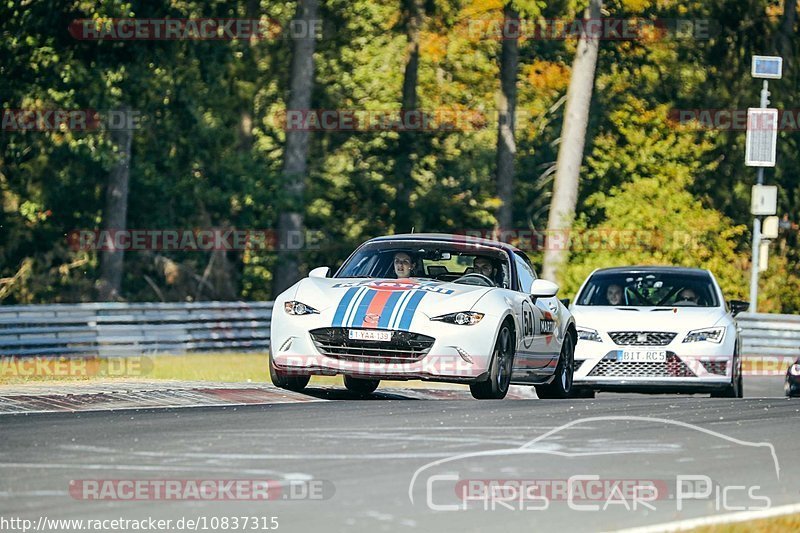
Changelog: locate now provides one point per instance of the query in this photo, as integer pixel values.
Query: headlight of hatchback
(462, 318)
(795, 370)
(706, 334)
(299, 308)
(588, 334)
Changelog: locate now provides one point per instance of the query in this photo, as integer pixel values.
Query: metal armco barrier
(120, 329)
(767, 335)
(123, 329)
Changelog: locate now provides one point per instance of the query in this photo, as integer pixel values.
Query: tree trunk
(507, 108)
(109, 286)
(570, 152)
(785, 35)
(414, 13)
(290, 222)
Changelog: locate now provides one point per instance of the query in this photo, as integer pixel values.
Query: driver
(687, 295)
(403, 265)
(484, 265)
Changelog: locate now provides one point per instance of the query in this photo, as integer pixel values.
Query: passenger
(614, 294)
(403, 265)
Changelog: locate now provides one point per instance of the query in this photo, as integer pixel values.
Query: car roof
(651, 268)
(449, 238)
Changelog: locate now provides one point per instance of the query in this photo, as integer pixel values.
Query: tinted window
(649, 289)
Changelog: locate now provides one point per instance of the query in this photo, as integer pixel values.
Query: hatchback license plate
(642, 356)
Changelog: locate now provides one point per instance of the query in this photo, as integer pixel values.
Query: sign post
(760, 151)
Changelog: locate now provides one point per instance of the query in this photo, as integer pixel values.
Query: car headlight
(299, 308)
(706, 334)
(795, 370)
(463, 318)
(587, 334)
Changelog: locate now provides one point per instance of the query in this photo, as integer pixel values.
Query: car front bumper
(458, 354)
(690, 366)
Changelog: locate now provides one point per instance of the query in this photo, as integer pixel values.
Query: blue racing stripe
(386, 314)
(342, 309)
(408, 314)
(361, 312)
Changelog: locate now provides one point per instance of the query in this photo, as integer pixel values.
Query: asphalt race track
(356, 465)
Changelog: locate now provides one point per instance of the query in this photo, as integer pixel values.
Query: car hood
(607, 318)
(385, 303)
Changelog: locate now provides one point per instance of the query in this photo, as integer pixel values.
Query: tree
(116, 211)
(414, 13)
(297, 145)
(573, 138)
(507, 109)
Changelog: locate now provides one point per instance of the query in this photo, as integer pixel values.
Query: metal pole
(757, 221)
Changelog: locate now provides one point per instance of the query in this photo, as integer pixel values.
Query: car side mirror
(541, 288)
(319, 272)
(738, 306)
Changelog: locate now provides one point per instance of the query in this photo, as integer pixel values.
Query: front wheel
(495, 387)
(736, 388)
(283, 381)
(361, 386)
(561, 386)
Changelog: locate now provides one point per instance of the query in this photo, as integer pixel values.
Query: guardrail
(122, 329)
(767, 335)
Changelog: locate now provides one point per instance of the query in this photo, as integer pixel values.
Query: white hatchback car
(656, 329)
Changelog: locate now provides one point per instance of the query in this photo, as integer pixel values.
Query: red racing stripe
(376, 306)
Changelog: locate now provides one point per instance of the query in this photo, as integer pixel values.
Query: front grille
(715, 367)
(642, 338)
(404, 346)
(673, 367)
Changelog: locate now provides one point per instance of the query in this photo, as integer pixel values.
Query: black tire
(736, 388)
(561, 386)
(361, 386)
(495, 386)
(281, 380)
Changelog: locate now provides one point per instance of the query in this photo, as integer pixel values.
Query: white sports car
(434, 307)
(656, 329)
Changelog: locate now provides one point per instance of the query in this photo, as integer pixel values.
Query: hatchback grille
(673, 367)
(715, 367)
(642, 338)
(404, 346)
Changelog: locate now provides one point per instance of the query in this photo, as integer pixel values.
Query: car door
(533, 358)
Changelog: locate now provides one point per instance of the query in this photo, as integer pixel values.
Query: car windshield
(649, 289)
(439, 261)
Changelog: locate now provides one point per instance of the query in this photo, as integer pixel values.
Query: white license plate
(642, 356)
(369, 335)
